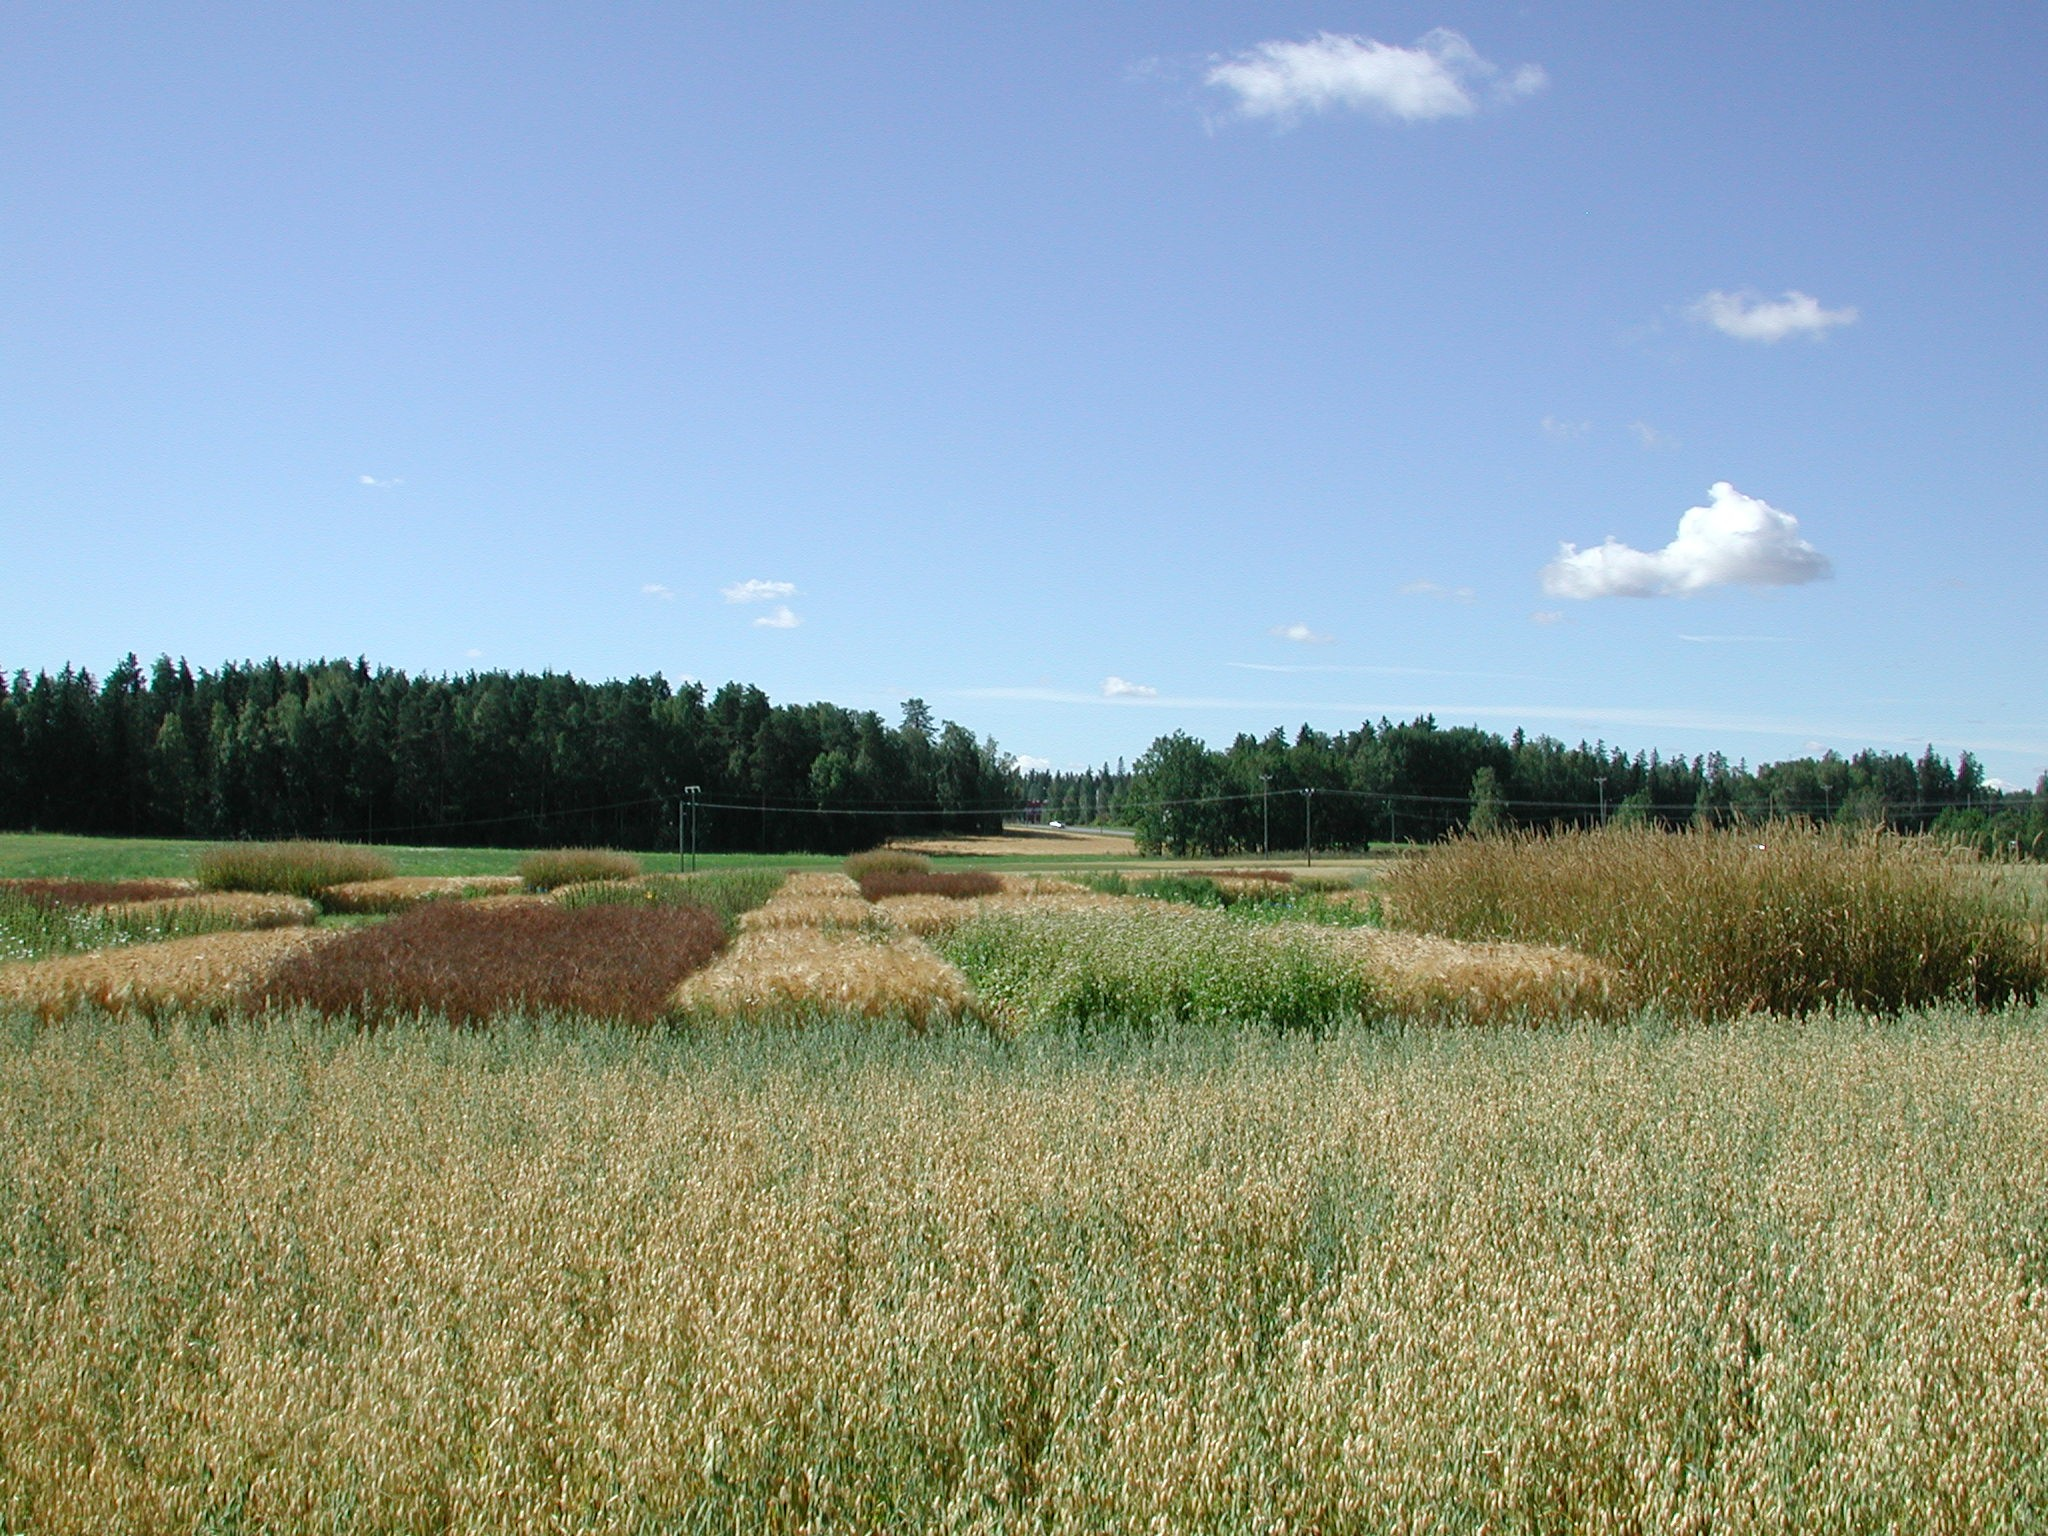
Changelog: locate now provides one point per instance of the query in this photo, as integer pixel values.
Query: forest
(339, 749)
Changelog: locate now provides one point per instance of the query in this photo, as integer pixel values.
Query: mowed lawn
(54, 855)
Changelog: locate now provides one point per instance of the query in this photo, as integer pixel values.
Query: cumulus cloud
(1441, 76)
(656, 589)
(1437, 590)
(1117, 688)
(1750, 316)
(1301, 634)
(781, 618)
(1026, 763)
(758, 591)
(1735, 540)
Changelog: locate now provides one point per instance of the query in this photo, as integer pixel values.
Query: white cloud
(472, 653)
(781, 618)
(1301, 634)
(656, 589)
(1438, 591)
(379, 485)
(1735, 540)
(1117, 688)
(1026, 763)
(1546, 616)
(1749, 316)
(758, 591)
(1564, 431)
(1650, 437)
(1441, 76)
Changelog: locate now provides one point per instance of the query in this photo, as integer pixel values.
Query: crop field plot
(293, 1275)
(744, 1200)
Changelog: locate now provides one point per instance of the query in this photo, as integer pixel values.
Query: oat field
(289, 1275)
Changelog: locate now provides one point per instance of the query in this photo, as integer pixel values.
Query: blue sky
(1090, 370)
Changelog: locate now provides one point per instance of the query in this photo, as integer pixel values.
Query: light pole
(1265, 815)
(1602, 782)
(1308, 815)
(690, 792)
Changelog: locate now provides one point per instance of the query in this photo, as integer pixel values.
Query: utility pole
(689, 808)
(1265, 815)
(1602, 782)
(1308, 814)
(1827, 793)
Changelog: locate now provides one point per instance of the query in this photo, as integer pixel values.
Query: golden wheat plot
(226, 909)
(1424, 977)
(1739, 1279)
(806, 971)
(401, 893)
(208, 970)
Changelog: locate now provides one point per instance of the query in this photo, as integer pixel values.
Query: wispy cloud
(1735, 540)
(656, 589)
(1358, 669)
(1437, 590)
(1300, 634)
(1650, 437)
(472, 653)
(1748, 316)
(781, 618)
(1547, 617)
(1117, 688)
(1915, 734)
(380, 485)
(1564, 431)
(1442, 75)
(758, 591)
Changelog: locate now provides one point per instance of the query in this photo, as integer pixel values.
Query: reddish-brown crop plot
(469, 960)
(959, 884)
(95, 893)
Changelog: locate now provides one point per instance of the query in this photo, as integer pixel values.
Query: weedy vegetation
(1151, 963)
(731, 893)
(553, 867)
(468, 961)
(291, 869)
(1259, 895)
(1711, 924)
(36, 930)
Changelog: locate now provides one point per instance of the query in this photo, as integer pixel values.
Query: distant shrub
(551, 867)
(886, 861)
(731, 893)
(94, 893)
(470, 960)
(959, 884)
(293, 869)
(1783, 918)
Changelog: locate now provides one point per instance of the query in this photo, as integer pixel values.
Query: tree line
(337, 749)
(1416, 782)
